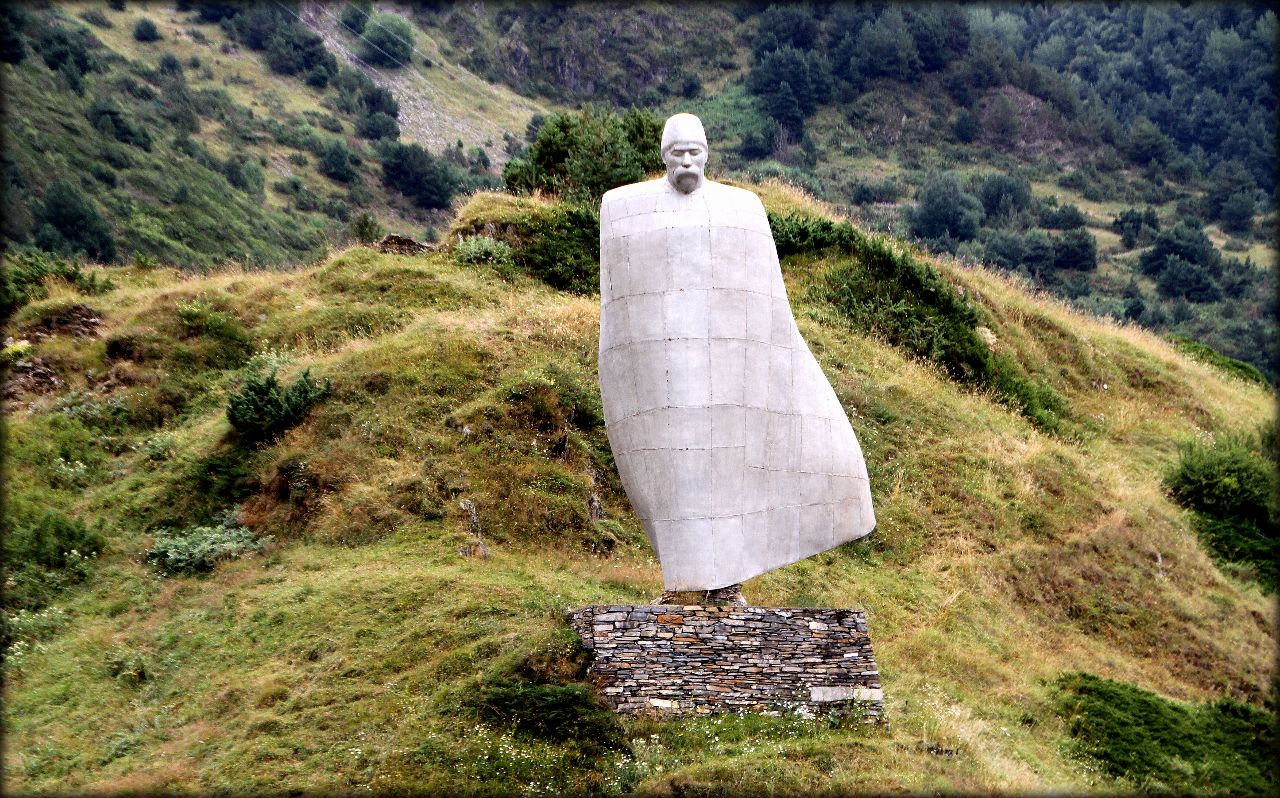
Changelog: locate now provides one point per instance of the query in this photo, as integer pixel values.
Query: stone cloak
(730, 442)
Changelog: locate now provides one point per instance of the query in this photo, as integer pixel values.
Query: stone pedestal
(693, 659)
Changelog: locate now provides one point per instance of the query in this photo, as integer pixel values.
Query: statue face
(685, 161)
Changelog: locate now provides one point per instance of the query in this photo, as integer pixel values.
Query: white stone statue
(730, 442)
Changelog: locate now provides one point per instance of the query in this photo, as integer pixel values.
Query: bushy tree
(791, 84)
(68, 222)
(378, 126)
(356, 15)
(416, 173)
(387, 41)
(584, 154)
(1182, 279)
(293, 50)
(1076, 249)
(365, 228)
(1136, 227)
(1062, 217)
(1236, 213)
(945, 210)
(1146, 144)
(1184, 241)
(1003, 195)
(1038, 253)
(885, 48)
(13, 18)
(335, 162)
(146, 31)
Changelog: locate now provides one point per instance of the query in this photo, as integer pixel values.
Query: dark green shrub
(145, 31)
(1062, 217)
(198, 549)
(1076, 249)
(944, 210)
(96, 18)
(355, 15)
(560, 713)
(23, 278)
(335, 162)
(262, 408)
(1157, 745)
(378, 125)
(1004, 195)
(292, 49)
(1231, 485)
(1136, 227)
(110, 120)
(886, 190)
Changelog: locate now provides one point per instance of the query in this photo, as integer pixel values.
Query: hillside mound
(368, 588)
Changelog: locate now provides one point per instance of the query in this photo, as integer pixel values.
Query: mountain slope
(431, 521)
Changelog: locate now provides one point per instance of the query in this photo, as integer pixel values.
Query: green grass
(357, 649)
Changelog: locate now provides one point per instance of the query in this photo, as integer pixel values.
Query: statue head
(684, 151)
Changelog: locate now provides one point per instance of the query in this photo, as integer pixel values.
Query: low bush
(1157, 745)
(198, 549)
(486, 251)
(1231, 486)
(263, 408)
(145, 31)
(550, 398)
(47, 538)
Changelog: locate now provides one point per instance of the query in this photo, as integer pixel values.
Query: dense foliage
(584, 154)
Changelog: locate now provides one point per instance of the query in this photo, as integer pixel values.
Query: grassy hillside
(214, 157)
(431, 519)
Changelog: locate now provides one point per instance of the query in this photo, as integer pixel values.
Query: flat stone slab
(670, 659)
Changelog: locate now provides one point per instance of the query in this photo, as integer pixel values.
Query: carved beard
(686, 180)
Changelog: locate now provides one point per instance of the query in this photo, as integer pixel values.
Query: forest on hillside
(1120, 156)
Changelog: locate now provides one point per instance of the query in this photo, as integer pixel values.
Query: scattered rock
(399, 245)
(76, 320)
(31, 375)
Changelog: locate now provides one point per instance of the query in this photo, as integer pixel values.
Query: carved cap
(683, 127)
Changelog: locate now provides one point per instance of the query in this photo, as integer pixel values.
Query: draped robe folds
(730, 442)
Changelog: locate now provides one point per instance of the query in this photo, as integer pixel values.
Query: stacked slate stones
(694, 659)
